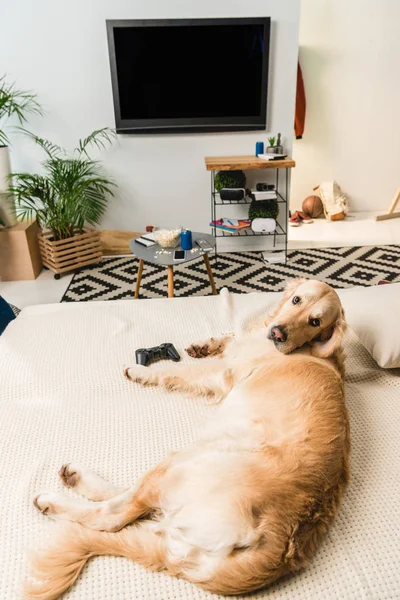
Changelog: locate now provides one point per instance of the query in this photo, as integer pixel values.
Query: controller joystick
(145, 356)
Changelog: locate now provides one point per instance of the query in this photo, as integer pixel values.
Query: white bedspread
(63, 398)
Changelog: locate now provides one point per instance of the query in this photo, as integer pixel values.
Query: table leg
(139, 278)
(170, 282)
(210, 274)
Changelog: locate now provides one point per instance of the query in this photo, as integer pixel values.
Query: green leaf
(3, 138)
(16, 103)
(52, 150)
(98, 138)
(70, 192)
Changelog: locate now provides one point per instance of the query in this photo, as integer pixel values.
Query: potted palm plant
(13, 103)
(72, 193)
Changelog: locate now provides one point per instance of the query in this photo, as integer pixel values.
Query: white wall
(350, 53)
(59, 49)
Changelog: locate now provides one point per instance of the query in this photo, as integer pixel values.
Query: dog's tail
(54, 568)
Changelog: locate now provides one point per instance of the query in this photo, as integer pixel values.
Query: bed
(63, 397)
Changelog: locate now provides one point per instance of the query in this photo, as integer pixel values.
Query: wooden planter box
(72, 253)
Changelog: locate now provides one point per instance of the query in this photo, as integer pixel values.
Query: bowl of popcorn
(167, 238)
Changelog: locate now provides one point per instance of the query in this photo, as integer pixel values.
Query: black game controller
(145, 356)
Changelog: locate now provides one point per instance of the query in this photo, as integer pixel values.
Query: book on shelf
(272, 156)
(231, 225)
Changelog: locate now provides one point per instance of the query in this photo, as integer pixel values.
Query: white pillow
(374, 314)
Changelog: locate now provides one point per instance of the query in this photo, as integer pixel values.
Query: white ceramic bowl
(167, 238)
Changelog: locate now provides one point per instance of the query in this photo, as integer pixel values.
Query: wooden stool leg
(170, 282)
(139, 278)
(210, 274)
(391, 214)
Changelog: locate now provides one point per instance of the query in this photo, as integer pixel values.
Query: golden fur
(252, 498)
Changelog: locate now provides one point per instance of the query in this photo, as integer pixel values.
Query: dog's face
(309, 313)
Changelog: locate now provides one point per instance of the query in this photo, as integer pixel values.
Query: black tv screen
(189, 75)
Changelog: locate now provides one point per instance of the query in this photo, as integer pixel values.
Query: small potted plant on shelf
(263, 209)
(271, 147)
(275, 145)
(18, 104)
(73, 191)
(229, 179)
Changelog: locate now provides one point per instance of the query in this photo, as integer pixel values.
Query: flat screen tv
(189, 75)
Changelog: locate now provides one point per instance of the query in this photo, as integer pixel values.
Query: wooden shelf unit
(245, 163)
(249, 163)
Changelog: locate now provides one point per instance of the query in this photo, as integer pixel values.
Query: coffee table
(159, 256)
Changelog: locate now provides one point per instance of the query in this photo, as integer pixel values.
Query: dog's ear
(330, 339)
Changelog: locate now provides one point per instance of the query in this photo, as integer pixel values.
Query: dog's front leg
(212, 379)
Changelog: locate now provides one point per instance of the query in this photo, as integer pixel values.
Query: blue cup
(259, 148)
(186, 240)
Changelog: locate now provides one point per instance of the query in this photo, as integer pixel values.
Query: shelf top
(231, 163)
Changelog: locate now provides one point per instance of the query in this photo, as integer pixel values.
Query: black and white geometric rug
(240, 272)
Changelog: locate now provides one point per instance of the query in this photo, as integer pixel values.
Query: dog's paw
(199, 350)
(140, 374)
(130, 375)
(70, 475)
(46, 503)
(210, 347)
(134, 373)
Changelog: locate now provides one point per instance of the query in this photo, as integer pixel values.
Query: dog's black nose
(278, 334)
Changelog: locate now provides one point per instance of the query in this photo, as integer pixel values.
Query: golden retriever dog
(251, 499)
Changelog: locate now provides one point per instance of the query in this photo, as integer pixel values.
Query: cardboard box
(19, 252)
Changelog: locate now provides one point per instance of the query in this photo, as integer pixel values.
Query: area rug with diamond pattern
(240, 272)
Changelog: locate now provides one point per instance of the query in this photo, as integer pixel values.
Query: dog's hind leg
(87, 483)
(107, 515)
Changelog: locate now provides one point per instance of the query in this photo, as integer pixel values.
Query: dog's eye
(295, 299)
(315, 322)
